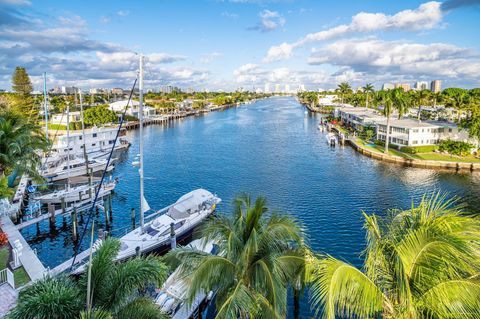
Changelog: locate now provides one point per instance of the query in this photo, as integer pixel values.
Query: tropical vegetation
(419, 263)
(109, 290)
(261, 253)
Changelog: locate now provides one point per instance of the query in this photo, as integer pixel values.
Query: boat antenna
(68, 145)
(140, 118)
(83, 135)
(94, 202)
(45, 103)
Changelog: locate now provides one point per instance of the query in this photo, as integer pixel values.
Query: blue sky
(217, 45)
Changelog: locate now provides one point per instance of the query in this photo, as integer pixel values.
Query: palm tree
(259, 256)
(368, 88)
(344, 89)
(457, 99)
(393, 100)
(419, 263)
(114, 288)
(19, 143)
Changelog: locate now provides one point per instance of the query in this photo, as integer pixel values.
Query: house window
(414, 142)
(80, 137)
(450, 130)
(94, 144)
(94, 134)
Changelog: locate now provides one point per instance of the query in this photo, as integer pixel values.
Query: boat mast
(68, 145)
(45, 103)
(83, 134)
(140, 118)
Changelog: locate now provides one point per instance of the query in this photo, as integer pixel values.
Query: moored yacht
(75, 193)
(62, 168)
(188, 212)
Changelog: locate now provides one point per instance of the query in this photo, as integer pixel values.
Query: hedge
(419, 149)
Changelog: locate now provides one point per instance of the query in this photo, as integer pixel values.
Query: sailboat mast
(83, 133)
(140, 118)
(68, 145)
(45, 103)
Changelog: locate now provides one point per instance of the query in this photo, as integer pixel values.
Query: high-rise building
(436, 86)
(301, 88)
(287, 88)
(267, 88)
(421, 85)
(277, 88)
(404, 86)
(388, 86)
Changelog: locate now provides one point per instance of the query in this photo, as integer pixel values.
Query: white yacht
(331, 139)
(172, 298)
(97, 141)
(188, 212)
(76, 193)
(62, 168)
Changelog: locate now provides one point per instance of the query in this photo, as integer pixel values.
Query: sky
(232, 44)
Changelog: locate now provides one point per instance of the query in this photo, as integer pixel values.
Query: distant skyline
(228, 44)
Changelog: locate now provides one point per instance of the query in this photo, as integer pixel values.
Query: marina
(189, 153)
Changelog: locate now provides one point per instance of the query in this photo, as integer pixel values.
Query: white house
(62, 118)
(411, 132)
(358, 117)
(119, 106)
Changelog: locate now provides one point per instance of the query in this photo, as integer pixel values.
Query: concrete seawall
(415, 162)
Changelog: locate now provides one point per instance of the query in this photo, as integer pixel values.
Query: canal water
(272, 148)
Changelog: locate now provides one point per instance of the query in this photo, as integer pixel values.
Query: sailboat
(180, 218)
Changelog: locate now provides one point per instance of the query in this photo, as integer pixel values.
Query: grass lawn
(3, 257)
(21, 277)
(421, 156)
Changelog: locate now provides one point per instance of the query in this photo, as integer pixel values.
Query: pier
(29, 260)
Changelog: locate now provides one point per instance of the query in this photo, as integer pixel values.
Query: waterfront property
(64, 118)
(410, 132)
(132, 110)
(358, 117)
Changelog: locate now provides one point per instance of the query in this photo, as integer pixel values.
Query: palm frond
(141, 308)
(341, 289)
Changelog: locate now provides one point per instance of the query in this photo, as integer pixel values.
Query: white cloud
(210, 57)
(16, 2)
(426, 16)
(269, 21)
(375, 57)
(123, 13)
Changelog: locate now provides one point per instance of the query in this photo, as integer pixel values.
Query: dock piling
(74, 224)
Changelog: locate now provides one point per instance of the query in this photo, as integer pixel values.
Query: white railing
(6, 276)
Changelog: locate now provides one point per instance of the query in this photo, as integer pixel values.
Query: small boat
(172, 297)
(331, 139)
(76, 193)
(59, 170)
(188, 212)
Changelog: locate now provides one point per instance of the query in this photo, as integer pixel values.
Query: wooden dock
(30, 262)
(66, 265)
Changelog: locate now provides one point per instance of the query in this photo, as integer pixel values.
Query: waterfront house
(132, 110)
(357, 117)
(412, 132)
(62, 118)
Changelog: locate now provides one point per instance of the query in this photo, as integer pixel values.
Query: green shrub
(419, 149)
(455, 147)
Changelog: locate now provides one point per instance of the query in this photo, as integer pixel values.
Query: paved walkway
(8, 299)
(33, 266)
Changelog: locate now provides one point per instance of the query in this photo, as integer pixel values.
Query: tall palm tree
(368, 88)
(419, 263)
(393, 100)
(19, 142)
(114, 288)
(344, 89)
(259, 256)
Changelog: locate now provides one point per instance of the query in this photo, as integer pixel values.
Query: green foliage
(419, 263)
(20, 142)
(49, 298)
(419, 149)
(114, 289)
(459, 148)
(261, 253)
(367, 133)
(98, 115)
(21, 83)
(5, 191)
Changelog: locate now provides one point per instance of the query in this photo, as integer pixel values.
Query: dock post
(110, 209)
(51, 210)
(74, 224)
(105, 208)
(173, 238)
(133, 218)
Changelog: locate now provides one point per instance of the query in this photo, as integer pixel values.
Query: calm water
(269, 148)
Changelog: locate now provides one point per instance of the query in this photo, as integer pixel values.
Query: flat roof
(412, 123)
